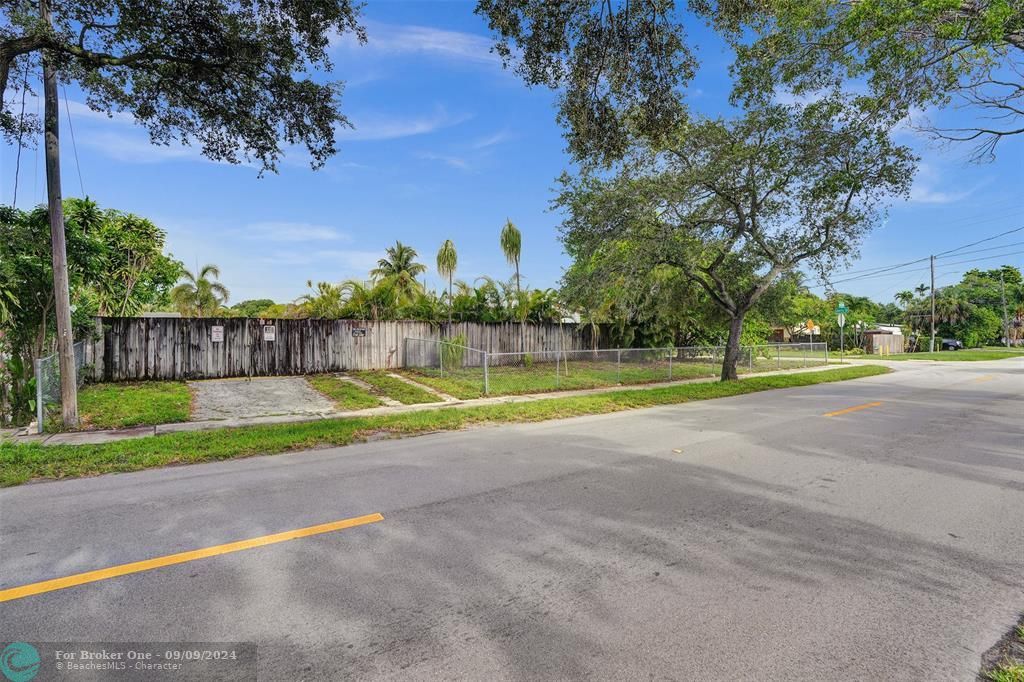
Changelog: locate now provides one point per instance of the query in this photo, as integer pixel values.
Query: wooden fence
(139, 348)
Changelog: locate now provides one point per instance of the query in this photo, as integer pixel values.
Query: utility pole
(931, 346)
(61, 294)
(1006, 320)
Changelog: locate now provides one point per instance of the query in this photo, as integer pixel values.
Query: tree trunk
(732, 349)
(65, 339)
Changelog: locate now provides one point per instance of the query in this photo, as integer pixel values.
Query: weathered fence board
(139, 348)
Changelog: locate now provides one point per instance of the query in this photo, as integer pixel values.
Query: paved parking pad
(263, 396)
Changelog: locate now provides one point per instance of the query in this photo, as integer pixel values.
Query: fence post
(750, 358)
(804, 349)
(440, 356)
(618, 365)
(671, 352)
(826, 352)
(778, 356)
(487, 386)
(39, 395)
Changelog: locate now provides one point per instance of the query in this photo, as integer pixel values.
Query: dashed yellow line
(848, 410)
(983, 379)
(180, 558)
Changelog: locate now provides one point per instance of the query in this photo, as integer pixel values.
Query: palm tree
(400, 267)
(447, 259)
(324, 302)
(199, 295)
(511, 246)
(375, 302)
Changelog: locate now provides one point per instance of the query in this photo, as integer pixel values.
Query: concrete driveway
(257, 397)
(748, 538)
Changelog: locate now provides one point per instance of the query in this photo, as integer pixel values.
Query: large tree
(734, 204)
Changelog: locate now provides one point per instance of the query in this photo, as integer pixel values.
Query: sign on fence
(269, 332)
(359, 331)
(217, 334)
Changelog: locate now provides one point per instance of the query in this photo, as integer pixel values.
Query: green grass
(112, 406)
(957, 355)
(396, 389)
(1006, 673)
(345, 394)
(468, 382)
(24, 462)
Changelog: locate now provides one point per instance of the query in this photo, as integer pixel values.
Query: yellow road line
(848, 410)
(981, 380)
(180, 558)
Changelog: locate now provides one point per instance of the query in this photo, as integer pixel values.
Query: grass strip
(396, 389)
(957, 355)
(24, 462)
(345, 394)
(115, 406)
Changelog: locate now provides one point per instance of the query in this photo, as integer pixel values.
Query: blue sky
(447, 145)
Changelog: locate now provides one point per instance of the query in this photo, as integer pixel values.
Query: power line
(980, 241)
(74, 147)
(21, 130)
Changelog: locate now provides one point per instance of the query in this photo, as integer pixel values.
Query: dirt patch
(258, 397)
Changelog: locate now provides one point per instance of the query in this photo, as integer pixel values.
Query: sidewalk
(94, 437)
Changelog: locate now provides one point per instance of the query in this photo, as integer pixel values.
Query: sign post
(841, 311)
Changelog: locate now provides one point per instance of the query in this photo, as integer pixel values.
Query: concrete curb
(113, 435)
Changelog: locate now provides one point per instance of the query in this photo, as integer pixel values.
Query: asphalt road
(742, 538)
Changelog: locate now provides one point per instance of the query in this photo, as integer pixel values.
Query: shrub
(453, 350)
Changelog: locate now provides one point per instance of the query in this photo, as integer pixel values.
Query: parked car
(952, 344)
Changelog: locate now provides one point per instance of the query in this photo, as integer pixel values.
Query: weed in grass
(21, 463)
(396, 389)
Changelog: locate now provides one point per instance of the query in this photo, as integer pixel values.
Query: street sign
(810, 324)
(841, 318)
(841, 309)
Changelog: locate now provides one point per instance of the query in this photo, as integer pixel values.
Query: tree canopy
(734, 204)
(234, 78)
(910, 54)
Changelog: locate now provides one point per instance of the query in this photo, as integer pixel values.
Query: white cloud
(346, 261)
(383, 127)
(292, 232)
(395, 39)
(453, 161)
(491, 140)
(927, 187)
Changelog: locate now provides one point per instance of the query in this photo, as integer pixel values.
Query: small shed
(882, 342)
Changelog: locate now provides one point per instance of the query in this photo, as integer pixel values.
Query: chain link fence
(48, 401)
(471, 373)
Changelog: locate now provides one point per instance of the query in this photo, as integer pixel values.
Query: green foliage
(236, 80)
(115, 264)
(252, 307)
(900, 55)
(620, 68)
(399, 270)
(452, 351)
(200, 294)
(815, 180)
